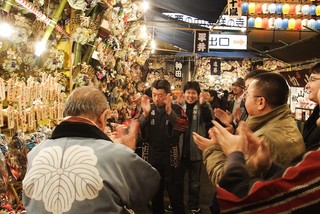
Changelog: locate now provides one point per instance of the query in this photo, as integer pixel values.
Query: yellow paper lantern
(318, 10)
(292, 24)
(258, 22)
(285, 9)
(252, 8)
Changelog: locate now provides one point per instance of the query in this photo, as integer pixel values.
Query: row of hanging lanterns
(279, 8)
(287, 24)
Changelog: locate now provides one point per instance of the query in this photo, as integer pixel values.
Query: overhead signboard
(234, 8)
(231, 23)
(189, 19)
(201, 41)
(227, 41)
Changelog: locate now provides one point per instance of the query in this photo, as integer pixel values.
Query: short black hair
(192, 85)
(213, 93)
(162, 84)
(254, 73)
(148, 92)
(315, 69)
(273, 87)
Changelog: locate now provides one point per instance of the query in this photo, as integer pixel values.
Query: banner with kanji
(201, 41)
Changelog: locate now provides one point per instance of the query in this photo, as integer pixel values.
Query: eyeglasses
(312, 79)
(245, 95)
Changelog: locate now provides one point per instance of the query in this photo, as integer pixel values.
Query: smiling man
(199, 114)
(311, 132)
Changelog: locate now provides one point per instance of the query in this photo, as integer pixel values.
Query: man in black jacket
(162, 123)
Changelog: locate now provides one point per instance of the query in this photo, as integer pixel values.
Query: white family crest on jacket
(59, 179)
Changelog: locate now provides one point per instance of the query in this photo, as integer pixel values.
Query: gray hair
(86, 100)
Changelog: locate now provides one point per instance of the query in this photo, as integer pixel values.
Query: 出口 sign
(227, 41)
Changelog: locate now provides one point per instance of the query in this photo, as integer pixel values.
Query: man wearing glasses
(269, 118)
(311, 132)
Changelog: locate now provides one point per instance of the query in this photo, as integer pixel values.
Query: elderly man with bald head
(80, 170)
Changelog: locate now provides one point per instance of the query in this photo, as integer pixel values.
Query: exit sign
(227, 41)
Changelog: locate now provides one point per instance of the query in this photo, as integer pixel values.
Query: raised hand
(229, 142)
(203, 142)
(130, 139)
(238, 114)
(258, 152)
(224, 116)
(203, 97)
(145, 105)
(168, 103)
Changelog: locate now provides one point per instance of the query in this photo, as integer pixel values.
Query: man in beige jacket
(269, 118)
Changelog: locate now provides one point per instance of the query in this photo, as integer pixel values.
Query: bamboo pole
(7, 6)
(55, 19)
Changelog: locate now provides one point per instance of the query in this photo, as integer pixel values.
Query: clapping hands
(256, 150)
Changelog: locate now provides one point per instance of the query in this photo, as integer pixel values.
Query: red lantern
(265, 23)
(298, 24)
(292, 9)
(258, 8)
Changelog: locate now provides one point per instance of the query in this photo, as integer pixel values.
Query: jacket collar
(255, 122)
(80, 128)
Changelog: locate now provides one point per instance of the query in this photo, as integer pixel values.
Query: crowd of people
(254, 154)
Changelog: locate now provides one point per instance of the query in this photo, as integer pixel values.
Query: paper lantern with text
(292, 24)
(271, 23)
(305, 9)
(312, 10)
(279, 8)
(292, 9)
(258, 8)
(272, 8)
(317, 25)
(245, 7)
(251, 22)
(285, 23)
(298, 9)
(304, 23)
(258, 22)
(311, 24)
(252, 7)
(318, 10)
(298, 24)
(265, 8)
(286, 9)
(265, 23)
(278, 23)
